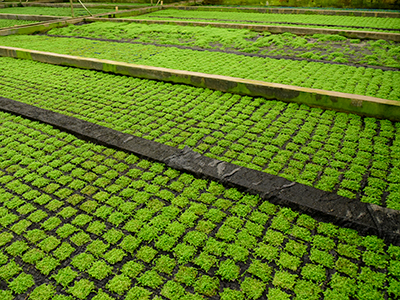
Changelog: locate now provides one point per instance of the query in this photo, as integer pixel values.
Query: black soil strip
(227, 51)
(263, 22)
(323, 206)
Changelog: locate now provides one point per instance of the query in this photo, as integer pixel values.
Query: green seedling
(47, 264)
(81, 288)
(151, 279)
(119, 284)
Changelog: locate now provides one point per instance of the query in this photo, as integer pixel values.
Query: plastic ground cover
(339, 78)
(354, 156)
(83, 221)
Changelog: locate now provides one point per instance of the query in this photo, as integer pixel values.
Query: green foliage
(49, 243)
(346, 266)
(20, 284)
(288, 261)
(65, 276)
(102, 296)
(114, 255)
(42, 292)
(252, 288)
(321, 257)
(307, 290)
(138, 293)
(97, 248)
(186, 275)
(82, 261)
(132, 269)
(130, 243)
(37, 216)
(261, 270)
(238, 253)
(81, 220)
(47, 264)
(51, 223)
(374, 259)
(5, 237)
(229, 294)
(284, 279)
(226, 233)
(205, 261)
(9, 270)
(184, 253)
(151, 279)
(66, 230)
(113, 236)
(21, 226)
(17, 248)
(171, 260)
(195, 238)
(165, 264)
(96, 227)
(313, 272)
(228, 270)
(146, 253)
(206, 285)
(172, 290)
(119, 284)
(297, 249)
(275, 293)
(266, 252)
(64, 251)
(322, 242)
(81, 288)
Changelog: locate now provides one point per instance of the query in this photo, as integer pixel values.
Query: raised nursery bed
(371, 78)
(4, 23)
(91, 222)
(356, 157)
(317, 21)
(51, 11)
(115, 187)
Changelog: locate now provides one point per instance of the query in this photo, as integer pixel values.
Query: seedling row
(331, 48)
(52, 11)
(354, 156)
(337, 77)
(8, 23)
(313, 21)
(97, 223)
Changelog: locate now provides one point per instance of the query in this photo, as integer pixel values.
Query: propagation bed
(93, 222)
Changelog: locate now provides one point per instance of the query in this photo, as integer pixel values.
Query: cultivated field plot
(315, 21)
(83, 221)
(330, 48)
(8, 23)
(229, 53)
(354, 156)
(51, 11)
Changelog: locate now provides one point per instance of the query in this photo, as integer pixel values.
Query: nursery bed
(8, 23)
(330, 48)
(83, 220)
(340, 78)
(359, 12)
(52, 11)
(338, 22)
(353, 156)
